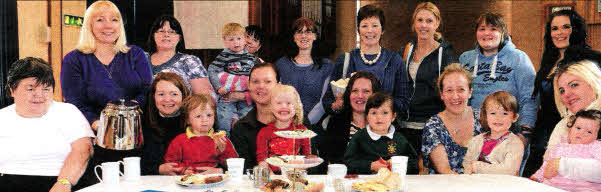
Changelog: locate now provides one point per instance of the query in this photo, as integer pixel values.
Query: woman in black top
(565, 42)
(162, 122)
(340, 127)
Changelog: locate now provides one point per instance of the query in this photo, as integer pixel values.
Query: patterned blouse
(436, 133)
(186, 66)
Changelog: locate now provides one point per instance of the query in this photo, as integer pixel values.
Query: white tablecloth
(426, 183)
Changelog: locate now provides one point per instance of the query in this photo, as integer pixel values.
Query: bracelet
(65, 181)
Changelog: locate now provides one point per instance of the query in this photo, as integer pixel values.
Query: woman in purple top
(103, 69)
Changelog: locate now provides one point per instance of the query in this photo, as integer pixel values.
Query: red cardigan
(198, 151)
(269, 144)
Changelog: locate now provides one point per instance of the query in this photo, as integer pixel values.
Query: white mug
(131, 167)
(110, 173)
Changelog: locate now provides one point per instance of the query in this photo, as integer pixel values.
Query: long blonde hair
(87, 41)
(428, 6)
(589, 73)
(280, 89)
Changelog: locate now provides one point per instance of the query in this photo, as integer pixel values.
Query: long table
(426, 183)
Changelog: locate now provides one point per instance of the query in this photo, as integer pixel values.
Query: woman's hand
(208, 170)
(169, 169)
(377, 165)
(552, 168)
(95, 125)
(220, 143)
(337, 104)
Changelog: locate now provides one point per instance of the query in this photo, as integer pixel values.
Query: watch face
(64, 181)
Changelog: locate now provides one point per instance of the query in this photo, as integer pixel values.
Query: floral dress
(436, 133)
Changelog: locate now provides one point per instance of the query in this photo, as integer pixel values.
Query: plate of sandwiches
(199, 181)
(384, 181)
(296, 134)
(300, 161)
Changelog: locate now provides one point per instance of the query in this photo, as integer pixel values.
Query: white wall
(202, 20)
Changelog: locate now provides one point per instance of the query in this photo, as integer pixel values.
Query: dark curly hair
(551, 53)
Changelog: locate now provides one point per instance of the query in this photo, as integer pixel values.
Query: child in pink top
(582, 143)
(497, 151)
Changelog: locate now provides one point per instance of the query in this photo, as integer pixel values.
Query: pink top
(566, 150)
(489, 145)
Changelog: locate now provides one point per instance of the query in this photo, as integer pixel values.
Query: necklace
(108, 71)
(455, 128)
(372, 61)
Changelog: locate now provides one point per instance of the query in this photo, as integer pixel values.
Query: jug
(259, 176)
(120, 127)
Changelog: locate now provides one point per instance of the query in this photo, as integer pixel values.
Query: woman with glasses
(104, 69)
(165, 44)
(306, 69)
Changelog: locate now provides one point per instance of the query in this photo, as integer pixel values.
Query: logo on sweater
(501, 72)
(391, 147)
(234, 66)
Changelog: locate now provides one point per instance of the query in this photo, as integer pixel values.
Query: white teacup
(131, 167)
(110, 174)
(337, 171)
(235, 167)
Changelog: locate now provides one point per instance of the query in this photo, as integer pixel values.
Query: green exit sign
(72, 20)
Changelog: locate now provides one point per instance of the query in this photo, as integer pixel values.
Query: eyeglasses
(591, 114)
(308, 32)
(167, 32)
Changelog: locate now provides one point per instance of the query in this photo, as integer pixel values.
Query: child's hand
(220, 143)
(208, 170)
(263, 164)
(169, 169)
(534, 179)
(552, 168)
(471, 167)
(377, 165)
(222, 91)
(189, 171)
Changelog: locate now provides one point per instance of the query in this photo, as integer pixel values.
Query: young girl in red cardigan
(287, 110)
(200, 149)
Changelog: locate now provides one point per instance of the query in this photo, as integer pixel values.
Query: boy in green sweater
(378, 140)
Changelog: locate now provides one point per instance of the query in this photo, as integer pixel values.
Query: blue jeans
(229, 112)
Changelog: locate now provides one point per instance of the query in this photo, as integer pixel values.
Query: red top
(197, 151)
(269, 144)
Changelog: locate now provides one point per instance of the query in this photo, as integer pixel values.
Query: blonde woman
(425, 58)
(577, 86)
(103, 69)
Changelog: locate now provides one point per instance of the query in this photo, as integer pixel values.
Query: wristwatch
(64, 181)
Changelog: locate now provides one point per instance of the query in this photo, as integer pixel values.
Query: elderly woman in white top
(577, 86)
(45, 144)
